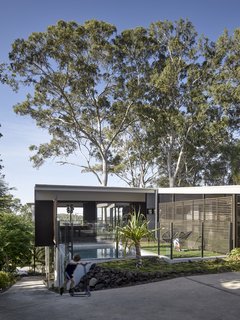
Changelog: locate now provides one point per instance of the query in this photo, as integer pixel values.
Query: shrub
(6, 280)
(234, 254)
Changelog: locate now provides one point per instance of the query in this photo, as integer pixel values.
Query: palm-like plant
(131, 233)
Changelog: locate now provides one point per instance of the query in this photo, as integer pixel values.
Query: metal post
(71, 235)
(235, 221)
(34, 259)
(171, 236)
(158, 237)
(202, 237)
(117, 243)
(157, 221)
(230, 236)
(70, 209)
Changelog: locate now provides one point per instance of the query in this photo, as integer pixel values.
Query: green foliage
(234, 255)
(155, 264)
(16, 234)
(38, 258)
(6, 77)
(133, 231)
(136, 163)
(155, 105)
(6, 280)
(4, 197)
(176, 127)
(7, 201)
(16, 230)
(76, 95)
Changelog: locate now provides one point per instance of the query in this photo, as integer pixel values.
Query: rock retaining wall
(112, 278)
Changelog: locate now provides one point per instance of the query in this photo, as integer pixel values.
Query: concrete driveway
(210, 297)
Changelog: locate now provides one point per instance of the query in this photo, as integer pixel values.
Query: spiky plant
(133, 231)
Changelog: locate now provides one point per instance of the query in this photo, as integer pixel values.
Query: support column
(47, 264)
(89, 233)
(157, 220)
(89, 212)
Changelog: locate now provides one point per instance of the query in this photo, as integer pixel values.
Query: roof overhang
(91, 193)
(233, 189)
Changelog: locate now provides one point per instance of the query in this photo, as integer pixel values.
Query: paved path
(207, 297)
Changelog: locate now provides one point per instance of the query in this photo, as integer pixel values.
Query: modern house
(82, 219)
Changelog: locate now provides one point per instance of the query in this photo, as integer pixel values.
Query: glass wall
(89, 229)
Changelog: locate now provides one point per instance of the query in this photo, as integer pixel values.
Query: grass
(185, 253)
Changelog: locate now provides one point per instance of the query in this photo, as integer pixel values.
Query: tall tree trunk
(104, 172)
(171, 181)
(171, 176)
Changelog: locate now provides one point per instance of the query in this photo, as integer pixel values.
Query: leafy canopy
(102, 95)
(16, 234)
(77, 95)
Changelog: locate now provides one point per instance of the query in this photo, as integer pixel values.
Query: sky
(19, 18)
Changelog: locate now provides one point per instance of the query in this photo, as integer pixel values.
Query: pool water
(99, 253)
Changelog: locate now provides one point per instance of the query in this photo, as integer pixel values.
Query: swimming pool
(100, 253)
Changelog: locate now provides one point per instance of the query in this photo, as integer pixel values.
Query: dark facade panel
(44, 223)
(171, 197)
(181, 197)
(165, 198)
(138, 207)
(90, 211)
(150, 200)
(218, 195)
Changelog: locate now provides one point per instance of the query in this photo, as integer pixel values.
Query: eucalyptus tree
(128, 102)
(162, 67)
(5, 197)
(3, 76)
(224, 60)
(182, 117)
(75, 92)
(2, 80)
(187, 94)
(6, 77)
(1, 167)
(136, 164)
(177, 43)
(1, 72)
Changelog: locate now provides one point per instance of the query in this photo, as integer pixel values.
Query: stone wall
(103, 278)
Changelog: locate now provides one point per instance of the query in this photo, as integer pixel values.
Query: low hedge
(234, 255)
(6, 280)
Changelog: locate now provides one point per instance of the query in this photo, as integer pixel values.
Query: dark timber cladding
(44, 223)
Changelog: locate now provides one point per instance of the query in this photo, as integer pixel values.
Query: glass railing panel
(165, 239)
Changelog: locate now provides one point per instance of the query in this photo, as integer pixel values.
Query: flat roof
(71, 188)
(66, 193)
(232, 189)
